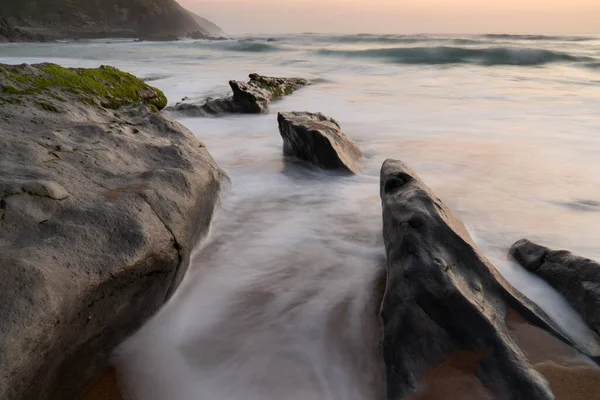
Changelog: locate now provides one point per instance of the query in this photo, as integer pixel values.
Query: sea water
(281, 298)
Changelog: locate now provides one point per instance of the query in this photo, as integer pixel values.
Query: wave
(371, 38)
(460, 55)
(593, 65)
(366, 38)
(541, 37)
(242, 46)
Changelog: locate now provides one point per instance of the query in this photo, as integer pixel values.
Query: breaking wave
(245, 46)
(541, 37)
(460, 55)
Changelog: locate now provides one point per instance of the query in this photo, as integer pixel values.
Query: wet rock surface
(445, 305)
(252, 97)
(102, 199)
(318, 140)
(576, 278)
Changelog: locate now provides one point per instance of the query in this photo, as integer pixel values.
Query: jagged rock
(319, 140)
(253, 97)
(445, 303)
(576, 278)
(102, 199)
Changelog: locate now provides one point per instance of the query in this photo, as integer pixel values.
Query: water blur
(281, 300)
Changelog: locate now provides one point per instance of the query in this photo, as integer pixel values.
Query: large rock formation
(101, 200)
(445, 304)
(56, 19)
(253, 97)
(319, 140)
(576, 278)
(9, 33)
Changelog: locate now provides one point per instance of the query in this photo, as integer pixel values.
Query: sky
(401, 16)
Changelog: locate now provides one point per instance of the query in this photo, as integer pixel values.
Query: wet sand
(104, 387)
(571, 376)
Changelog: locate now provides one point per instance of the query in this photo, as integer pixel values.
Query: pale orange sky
(401, 16)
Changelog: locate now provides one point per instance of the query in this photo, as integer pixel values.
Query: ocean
(280, 300)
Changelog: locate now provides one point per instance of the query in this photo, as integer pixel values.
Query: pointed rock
(444, 302)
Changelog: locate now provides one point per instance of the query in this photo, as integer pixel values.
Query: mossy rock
(106, 86)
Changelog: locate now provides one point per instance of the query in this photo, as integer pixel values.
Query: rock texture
(318, 140)
(576, 278)
(253, 97)
(58, 19)
(9, 33)
(444, 303)
(101, 200)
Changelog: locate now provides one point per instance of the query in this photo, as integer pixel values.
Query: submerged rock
(319, 140)
(253, 97)
(101, 201)
(576, 278)
(444, 303)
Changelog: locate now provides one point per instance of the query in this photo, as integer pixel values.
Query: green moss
(13, 90)
(48, 107)
(276, 90)
(113, 87)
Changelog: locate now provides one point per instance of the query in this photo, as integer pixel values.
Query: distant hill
(100, 18)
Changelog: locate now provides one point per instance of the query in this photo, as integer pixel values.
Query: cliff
(55, 19)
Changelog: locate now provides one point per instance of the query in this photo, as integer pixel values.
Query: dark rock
(158, 38)
(253, 97)
(99, 211)
(576, 278)
(319, 140)
(444, 300)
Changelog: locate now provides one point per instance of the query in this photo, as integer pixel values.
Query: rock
(253, 97)
(319, 140)
(203, 35)
(157, 38)
(445, 303)
(198, 35)
(576, 278)
(10, 33)
(97, 221)
(51, 190)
